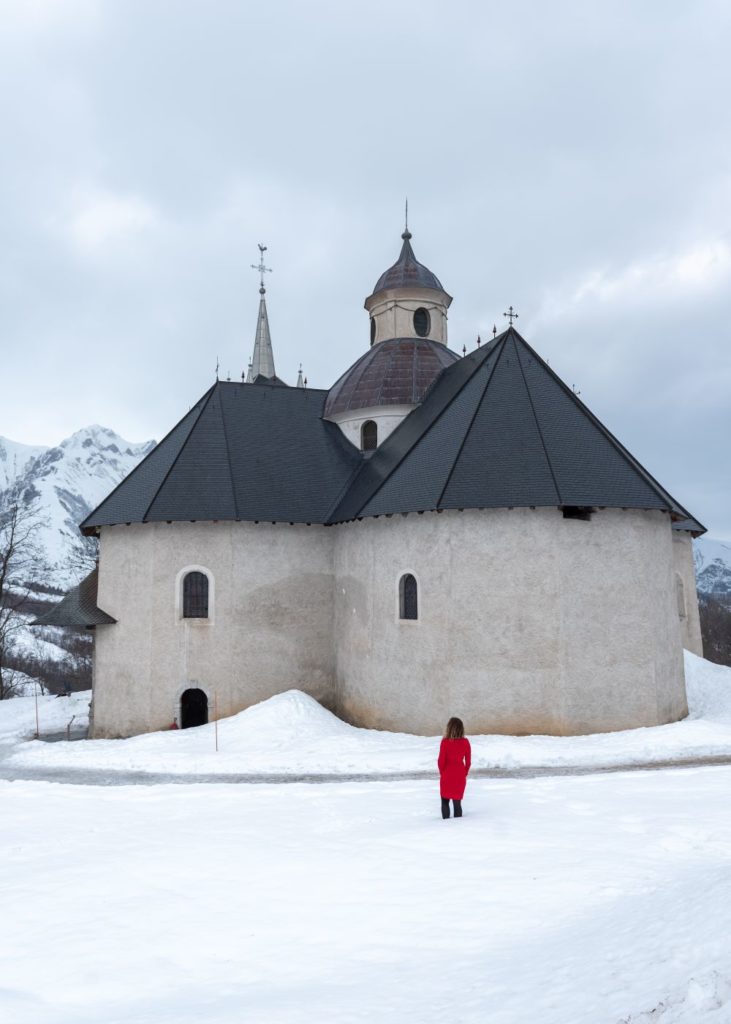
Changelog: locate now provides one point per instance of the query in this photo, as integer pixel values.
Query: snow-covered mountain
(713, 568)
(68, 481)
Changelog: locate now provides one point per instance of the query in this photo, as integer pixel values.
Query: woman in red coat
(455, 758)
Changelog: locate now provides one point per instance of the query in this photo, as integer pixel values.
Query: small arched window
(369, 436)
(195, 595)
(408, 598)
(422, 322)
(680, 596)
(373, 329)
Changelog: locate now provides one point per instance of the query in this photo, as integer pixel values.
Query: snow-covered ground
(602, 899)
(599, 899)
(292, 733)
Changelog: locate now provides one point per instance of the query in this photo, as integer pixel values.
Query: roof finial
(216, 367)
(511, 315)
(261, 268)
(479, 340)
(407, 234)
(494, 330)
(300, 381)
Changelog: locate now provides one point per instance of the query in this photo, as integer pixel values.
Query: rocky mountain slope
(713, 569)
(68, 481)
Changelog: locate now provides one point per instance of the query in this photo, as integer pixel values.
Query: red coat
(455, 758)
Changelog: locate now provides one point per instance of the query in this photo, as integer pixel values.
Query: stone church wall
(528, 622)
(269, 629)
(686, 594)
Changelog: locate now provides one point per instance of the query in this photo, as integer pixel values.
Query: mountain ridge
(67, 481)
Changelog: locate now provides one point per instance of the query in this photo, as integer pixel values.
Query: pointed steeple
(262, 361)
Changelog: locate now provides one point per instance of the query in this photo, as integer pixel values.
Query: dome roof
(395, 372)
(407, 271)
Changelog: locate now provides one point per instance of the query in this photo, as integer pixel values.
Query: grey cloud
(149, 147)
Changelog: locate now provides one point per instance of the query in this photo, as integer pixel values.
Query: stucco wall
(687, 599)
(393, 312)
(528, 622)
(270, 628)
(387, 418)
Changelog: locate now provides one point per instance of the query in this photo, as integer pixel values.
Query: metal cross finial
(511, 315)
(261, 268)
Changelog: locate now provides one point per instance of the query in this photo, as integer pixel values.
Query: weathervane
(261, 268)
(511, 315)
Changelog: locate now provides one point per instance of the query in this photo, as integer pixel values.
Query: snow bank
(292, 733)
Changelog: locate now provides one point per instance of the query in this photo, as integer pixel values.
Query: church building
(434, 535)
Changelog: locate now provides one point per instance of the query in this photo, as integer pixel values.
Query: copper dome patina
(407, 272)
(395, 372)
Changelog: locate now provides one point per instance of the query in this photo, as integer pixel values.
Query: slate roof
(496, 429)
(78, 608)
(247, 452)
(395, 372)
(499, 429)
(407, 271)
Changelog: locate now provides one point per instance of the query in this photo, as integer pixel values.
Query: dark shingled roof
(395, 372)
(407, 271)
(496, 429)
(500, 429)
(78, 608)
(242, 452)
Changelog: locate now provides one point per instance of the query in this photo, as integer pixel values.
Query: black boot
(445, 808)
(457, 808)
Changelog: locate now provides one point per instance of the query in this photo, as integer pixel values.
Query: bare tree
(20, 567)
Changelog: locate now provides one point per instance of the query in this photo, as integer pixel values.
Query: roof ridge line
(488, 350)
(624, 452)
(228, 460)
(175, 460)
(473, 417)
(538, 425)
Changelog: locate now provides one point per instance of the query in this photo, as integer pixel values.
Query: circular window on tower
(373, 329)
(422, 322)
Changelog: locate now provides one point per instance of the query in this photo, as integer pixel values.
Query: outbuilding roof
(497, 428)
(78, 608)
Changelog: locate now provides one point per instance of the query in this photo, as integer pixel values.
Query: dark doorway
(193, 709)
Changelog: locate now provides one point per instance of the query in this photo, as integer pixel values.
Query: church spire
(262, 361)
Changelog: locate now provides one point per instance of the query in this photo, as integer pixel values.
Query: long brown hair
(455, 729)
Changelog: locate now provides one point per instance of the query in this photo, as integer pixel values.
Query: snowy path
(602, 899)
(120, 777)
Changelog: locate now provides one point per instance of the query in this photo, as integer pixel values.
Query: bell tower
(408, 350)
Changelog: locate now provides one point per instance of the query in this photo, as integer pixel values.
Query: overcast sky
(572, 159)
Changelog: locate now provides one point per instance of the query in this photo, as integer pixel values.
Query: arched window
(680, 595)
(195, 595)
(373, 329)
(369, 436)
(408, 599)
